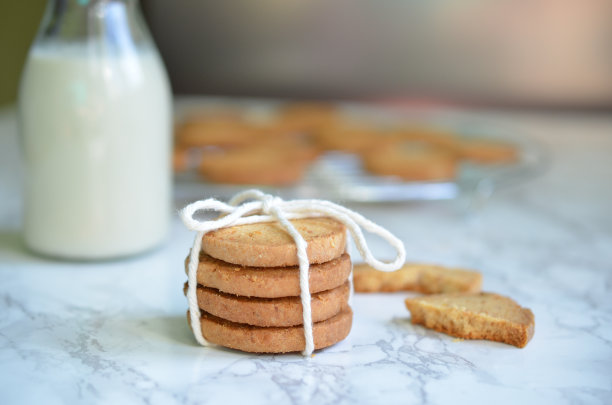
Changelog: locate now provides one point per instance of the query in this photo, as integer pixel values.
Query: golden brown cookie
(348, 137)
(270, 282)
(412, 161)
(295, 148)
(180, 159)
(487, 151)
(269, 245)
(276, 128)
(306, 116)
(285, 311)
(474, 316)
(214, 131)
(280, 164)
(429, 135)
(257, 339)
(423, 278)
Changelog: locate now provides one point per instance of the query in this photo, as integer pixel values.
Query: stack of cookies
(249, 286)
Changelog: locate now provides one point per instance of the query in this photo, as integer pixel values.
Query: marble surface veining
(116, 332)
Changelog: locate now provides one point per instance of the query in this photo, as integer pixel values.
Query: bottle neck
(113, 24)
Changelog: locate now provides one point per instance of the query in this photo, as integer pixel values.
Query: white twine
(267, 208)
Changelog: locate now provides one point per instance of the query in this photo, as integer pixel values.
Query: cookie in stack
(249, 290)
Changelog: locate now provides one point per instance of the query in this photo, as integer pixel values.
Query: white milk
(96, 141)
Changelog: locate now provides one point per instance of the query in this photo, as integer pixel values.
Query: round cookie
(487, 151)
(270, 282)
(214, 131)
(348, 137)
(412, 161)
(306, 116)
(253, 168)
(281, 312)
(256, 339)
(429, 135)
(268, 244)
(180, 159)
(270, 163)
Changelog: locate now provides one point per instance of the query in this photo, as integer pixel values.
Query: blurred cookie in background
(487, 151)
(411, 161)
(264, 164)
(306, 116)
(348, 137)
(221, 131)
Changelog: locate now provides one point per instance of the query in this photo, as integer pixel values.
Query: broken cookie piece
(474, 316)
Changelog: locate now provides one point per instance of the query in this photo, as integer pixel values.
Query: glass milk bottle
(95, 123)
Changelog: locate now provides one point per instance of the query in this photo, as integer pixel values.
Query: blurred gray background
(510, 52)
(536, 52)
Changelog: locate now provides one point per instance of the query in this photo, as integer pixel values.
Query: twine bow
(267, 208)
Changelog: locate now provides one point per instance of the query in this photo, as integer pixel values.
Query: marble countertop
(116, 332)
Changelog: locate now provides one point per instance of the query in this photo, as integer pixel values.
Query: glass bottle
(95, 124)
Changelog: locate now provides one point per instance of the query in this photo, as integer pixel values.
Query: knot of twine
(267, 208)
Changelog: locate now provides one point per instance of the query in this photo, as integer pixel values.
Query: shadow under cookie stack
(249, 286)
